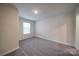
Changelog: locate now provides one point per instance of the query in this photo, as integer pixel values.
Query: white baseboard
(55, 41)
(9, 51)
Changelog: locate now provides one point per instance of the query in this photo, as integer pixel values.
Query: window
(26, 28)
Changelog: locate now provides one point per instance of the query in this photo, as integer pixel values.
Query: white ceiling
(45, 10)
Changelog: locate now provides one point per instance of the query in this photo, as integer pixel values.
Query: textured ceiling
(45, 10)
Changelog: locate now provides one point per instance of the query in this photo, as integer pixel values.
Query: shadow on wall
(57, 29)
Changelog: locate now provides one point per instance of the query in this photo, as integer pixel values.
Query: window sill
(27, 34)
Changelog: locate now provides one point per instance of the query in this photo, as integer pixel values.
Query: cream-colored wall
(9, 28)
(25, 36)
(59, 28)
(77, 28)
(0, 30)
(70, 29)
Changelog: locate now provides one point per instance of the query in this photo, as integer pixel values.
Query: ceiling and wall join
(46, 10)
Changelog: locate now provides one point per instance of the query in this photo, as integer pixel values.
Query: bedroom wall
(58, 29)
(77, 28)
(9, 29)
(32, 34)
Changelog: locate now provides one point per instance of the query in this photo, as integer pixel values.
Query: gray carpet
(41, 47)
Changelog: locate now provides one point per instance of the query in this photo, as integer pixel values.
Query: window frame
(23, 28)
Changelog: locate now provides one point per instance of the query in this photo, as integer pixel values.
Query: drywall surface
(25, 36)
(59, 28)
(77, 28)
(9, 28)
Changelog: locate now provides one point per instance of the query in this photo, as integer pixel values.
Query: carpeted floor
(41, 47)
